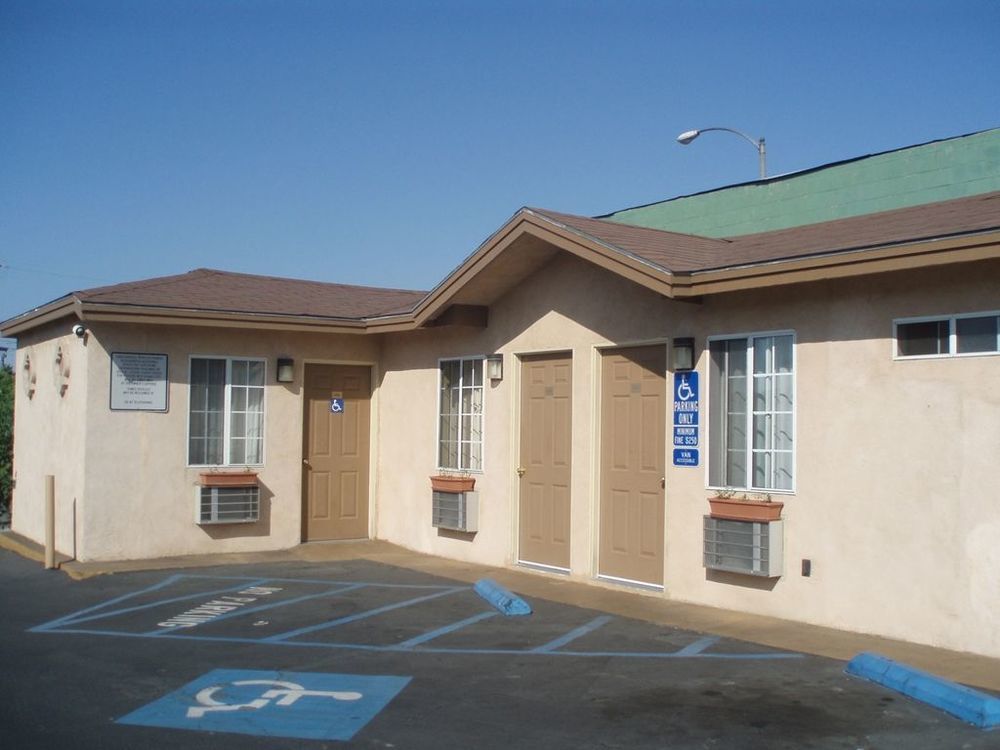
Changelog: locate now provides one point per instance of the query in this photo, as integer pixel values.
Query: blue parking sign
(686, 418)
(685, 457)
(305, 705)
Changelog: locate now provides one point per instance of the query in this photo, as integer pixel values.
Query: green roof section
(937, 171)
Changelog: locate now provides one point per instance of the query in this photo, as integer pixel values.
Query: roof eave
(882, 258)
(128, 313)
(562, 237)
(55, 310)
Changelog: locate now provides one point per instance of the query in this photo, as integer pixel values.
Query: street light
(689, 135)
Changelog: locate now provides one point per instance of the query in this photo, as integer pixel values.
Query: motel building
(580, 396)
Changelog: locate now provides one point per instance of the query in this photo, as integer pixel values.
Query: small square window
(925, 338)
(976, 335)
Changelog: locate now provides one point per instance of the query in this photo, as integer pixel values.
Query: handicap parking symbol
(305, 705)
(337, 405)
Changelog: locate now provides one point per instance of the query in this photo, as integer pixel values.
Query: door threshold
(543, 567)
(629, 582)
(336, 541)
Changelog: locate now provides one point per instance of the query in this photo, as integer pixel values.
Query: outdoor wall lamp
(687, 136)
(286, 370)
(683, 349)
(494, 367)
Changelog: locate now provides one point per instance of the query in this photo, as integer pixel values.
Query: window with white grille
(460, 426)
(226, 412)
(752, 412)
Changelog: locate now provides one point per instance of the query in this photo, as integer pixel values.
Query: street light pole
(689, 135)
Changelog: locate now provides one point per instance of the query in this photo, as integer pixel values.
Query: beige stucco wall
(139, 495)
(49, 434)
(893, 501)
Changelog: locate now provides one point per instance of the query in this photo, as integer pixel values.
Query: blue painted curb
(977, 708)
(509, 604)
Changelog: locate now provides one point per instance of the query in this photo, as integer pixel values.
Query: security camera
(79, 331)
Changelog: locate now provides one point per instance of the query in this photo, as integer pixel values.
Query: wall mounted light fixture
(683, 350)
(285, 370)
(494, 367)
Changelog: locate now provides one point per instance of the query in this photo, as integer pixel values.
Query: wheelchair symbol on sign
(336, 405)
(684, 390)
(285, 693)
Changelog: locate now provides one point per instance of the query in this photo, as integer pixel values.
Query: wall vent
(457, 511)
(749, 547)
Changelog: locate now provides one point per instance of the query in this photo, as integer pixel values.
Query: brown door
(633, 436)
(546, 421)
(335, 450)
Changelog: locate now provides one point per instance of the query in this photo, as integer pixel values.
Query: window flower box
(229, 479)
(745, 509)
(452, 483)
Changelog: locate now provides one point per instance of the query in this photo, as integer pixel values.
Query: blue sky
(380, 142)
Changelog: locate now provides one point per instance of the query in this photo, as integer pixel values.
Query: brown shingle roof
(936, 220)
(221, 291)
(681, 253)
(667, 250)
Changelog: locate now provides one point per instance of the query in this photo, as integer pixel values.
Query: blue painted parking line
(323, 581)
(572, 635)
(445, 651)
(187, 597)
(249, 591)
(301, 705)
(359, 616)
(124, 597)
(455, 626)
(693, 649)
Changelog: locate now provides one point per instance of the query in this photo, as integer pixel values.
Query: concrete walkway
(970, 669)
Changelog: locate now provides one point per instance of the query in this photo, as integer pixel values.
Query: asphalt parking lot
(357, 653)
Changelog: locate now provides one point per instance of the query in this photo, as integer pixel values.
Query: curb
(972, 706)
(509, 604)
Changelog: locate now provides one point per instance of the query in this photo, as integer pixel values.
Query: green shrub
(6, 434)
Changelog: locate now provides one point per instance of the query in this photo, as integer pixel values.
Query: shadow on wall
(743, 581)
(259, 528)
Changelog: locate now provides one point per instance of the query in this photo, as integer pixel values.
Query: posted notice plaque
(138, 382)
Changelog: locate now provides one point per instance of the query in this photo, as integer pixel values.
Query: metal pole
(763, 158)
(50, 522)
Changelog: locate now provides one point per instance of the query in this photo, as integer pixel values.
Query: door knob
(305, 462)
(520, 471)
(663, 483)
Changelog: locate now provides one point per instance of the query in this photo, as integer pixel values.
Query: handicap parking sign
(337, 405)
(305, 705)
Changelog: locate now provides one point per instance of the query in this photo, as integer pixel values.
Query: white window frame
(226, 411)
(481, 358)
(748, 485)
(952, 321)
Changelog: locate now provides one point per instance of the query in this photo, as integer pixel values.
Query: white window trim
(952, 352)
(437, 417)
(225, 412)
(795, 413)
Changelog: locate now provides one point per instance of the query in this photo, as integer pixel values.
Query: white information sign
(138, 382)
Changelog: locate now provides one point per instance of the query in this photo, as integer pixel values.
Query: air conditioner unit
(750, 547)
(240, 504)
(457, 511)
